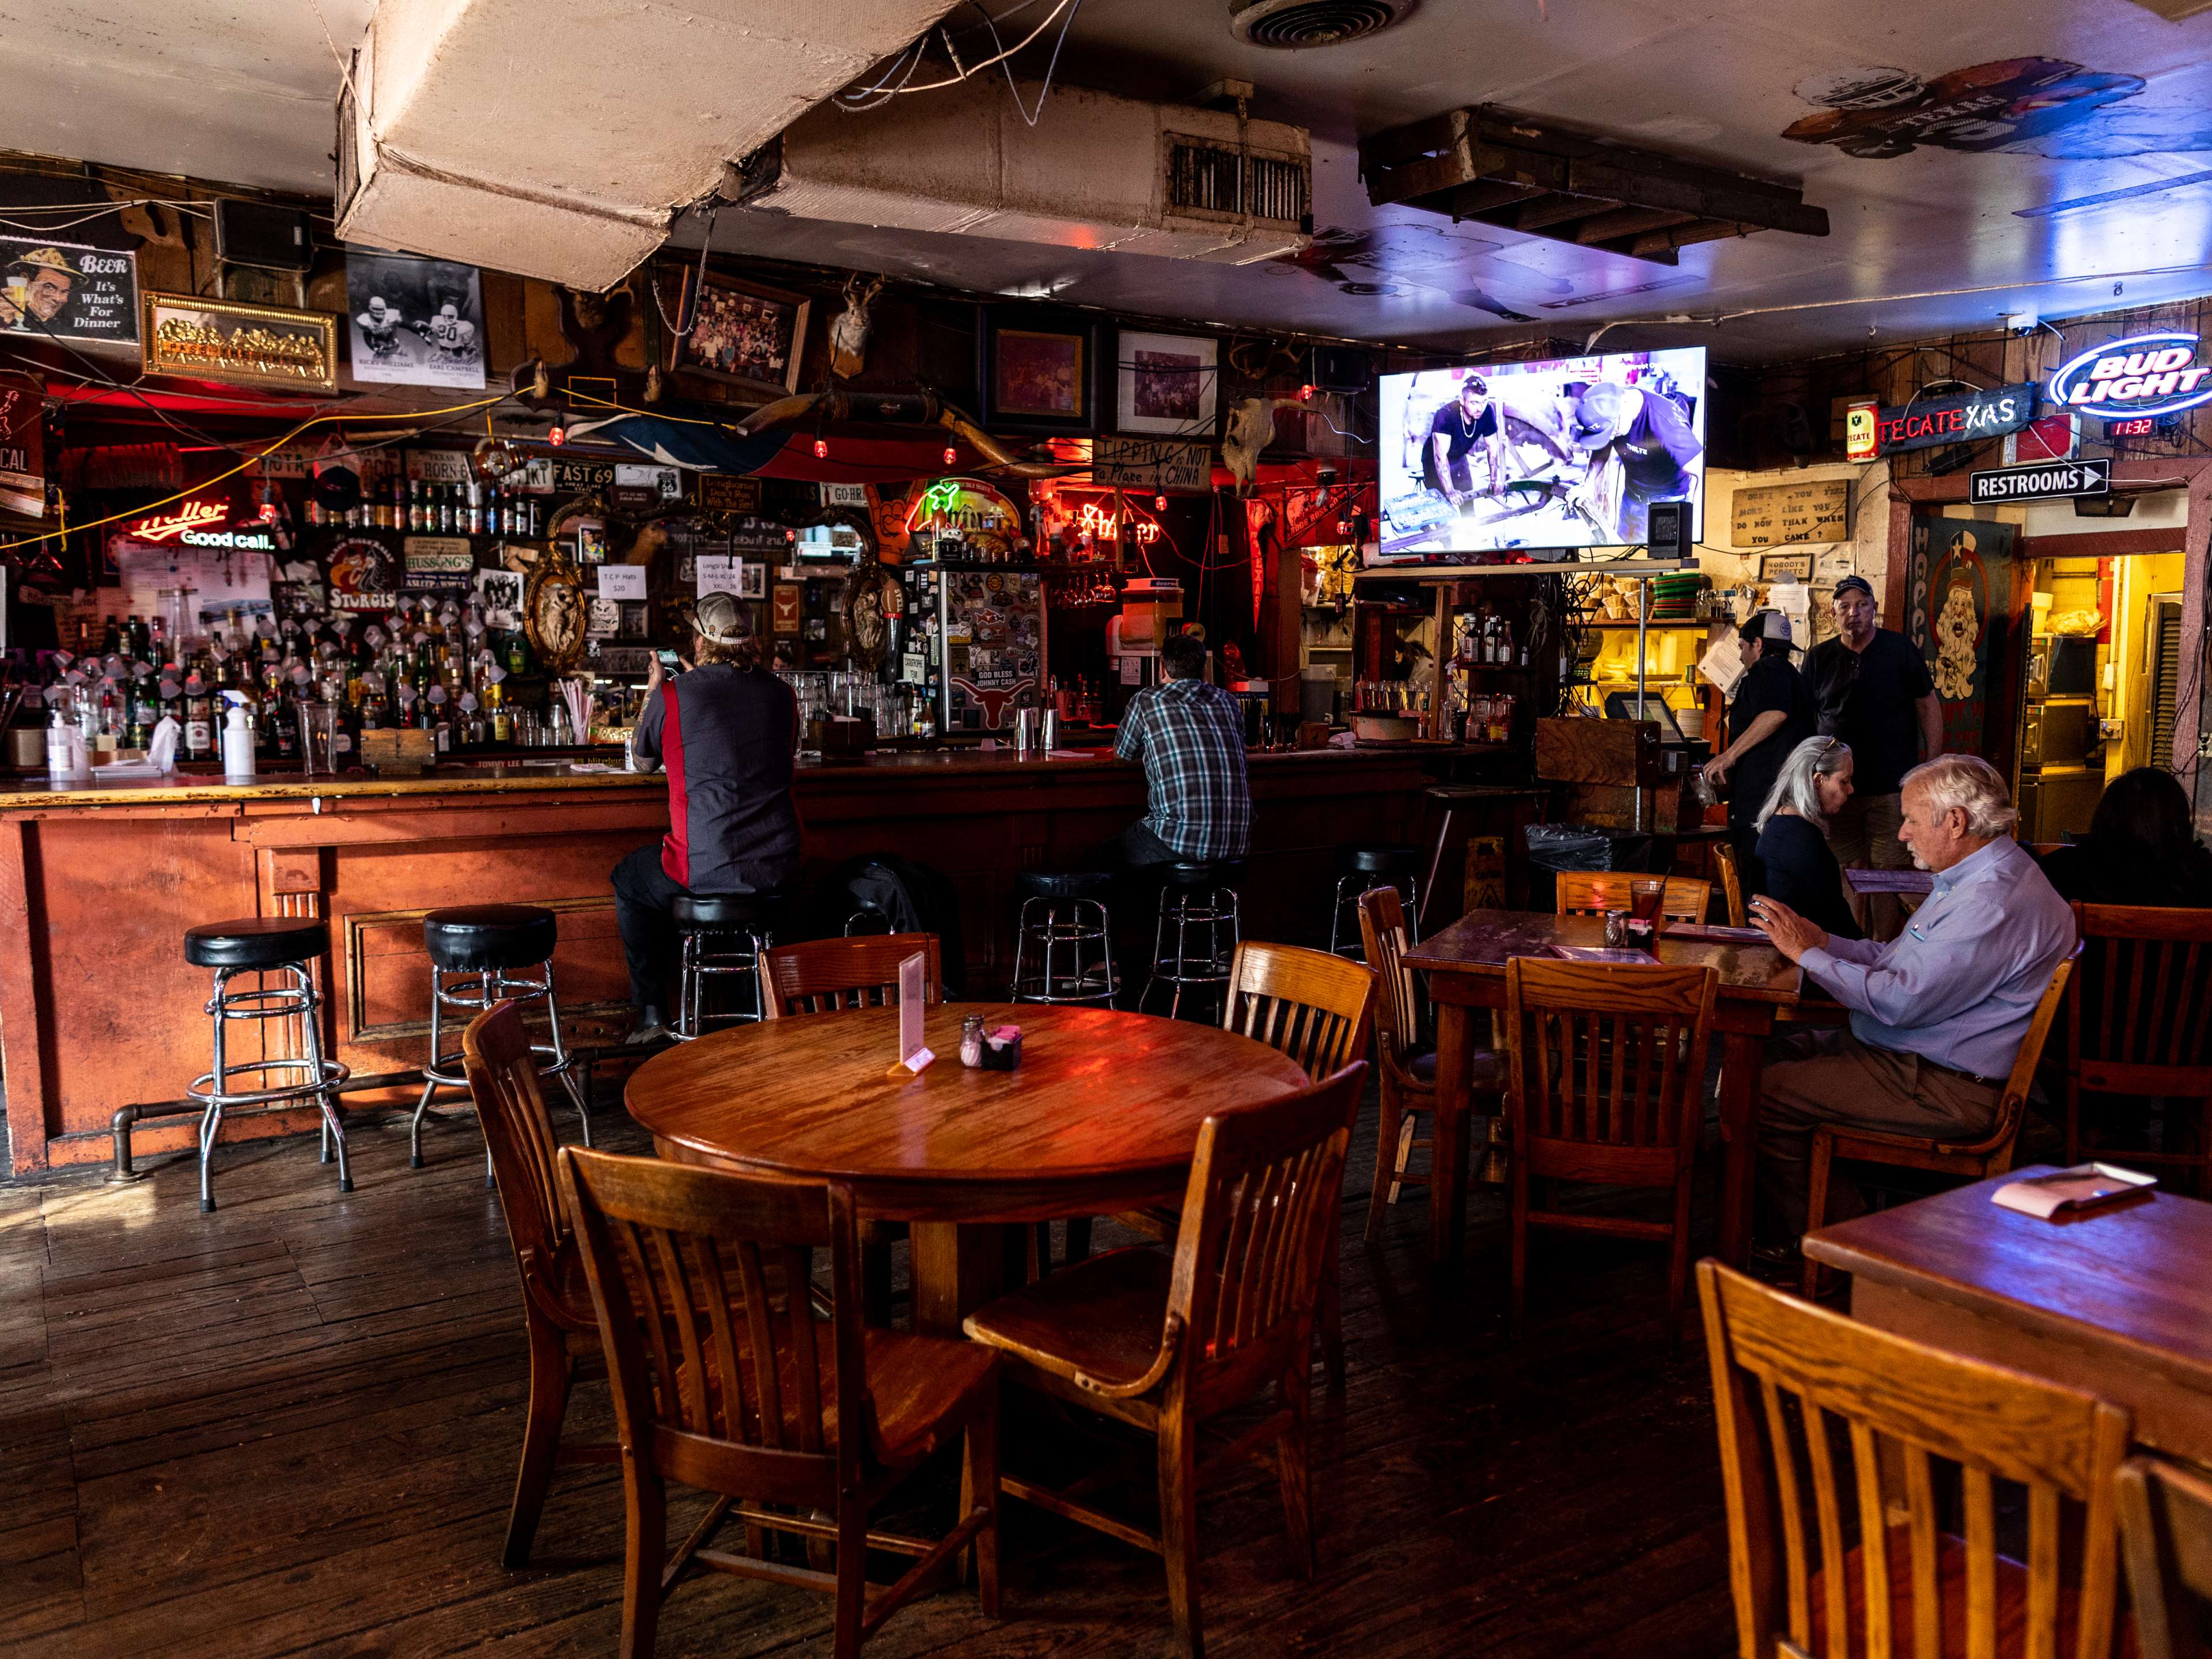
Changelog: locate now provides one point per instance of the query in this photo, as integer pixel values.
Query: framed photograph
(745, 334)
(752, 580)
(415, 322)
(1037, 375)
(252, 345)
(1166, 384)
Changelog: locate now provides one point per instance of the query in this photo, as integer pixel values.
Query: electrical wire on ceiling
(91, 211)
(898, 77)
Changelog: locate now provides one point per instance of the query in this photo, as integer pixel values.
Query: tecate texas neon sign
(2143, 374)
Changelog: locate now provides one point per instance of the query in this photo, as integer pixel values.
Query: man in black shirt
(1772, 714)
(1469, 419)
(1871, 687)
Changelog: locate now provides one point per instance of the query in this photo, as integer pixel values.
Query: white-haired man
(1938, 1012)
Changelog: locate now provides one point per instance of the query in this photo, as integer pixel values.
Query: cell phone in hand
(668, 660)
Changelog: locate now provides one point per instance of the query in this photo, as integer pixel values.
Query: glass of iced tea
(1647, 897)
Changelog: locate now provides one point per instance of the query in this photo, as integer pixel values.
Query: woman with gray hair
(1795, 864)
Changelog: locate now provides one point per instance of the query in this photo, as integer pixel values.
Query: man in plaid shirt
(1189, 736)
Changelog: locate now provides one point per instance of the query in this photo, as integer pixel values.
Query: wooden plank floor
(290, 1427)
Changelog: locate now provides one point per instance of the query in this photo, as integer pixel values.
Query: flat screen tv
(1510, 460)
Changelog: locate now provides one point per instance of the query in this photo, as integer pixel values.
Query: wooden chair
(1794, 1383)
(1592, 892)
(724, 1380)
(1731, 882)
(822, 975)
(556, 1302)
(1163, 1346)
(2136, 1024)
(2165, 1536)
(825, 975)
(1407, 1063)
(1606, 1081)
(1319, 1009)
(1962, 1160)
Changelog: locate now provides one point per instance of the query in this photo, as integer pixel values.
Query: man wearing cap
(41, 283)
(1641, 445)
(724, 731)
(1771, 714)
(1468, 421)
(1871, 687)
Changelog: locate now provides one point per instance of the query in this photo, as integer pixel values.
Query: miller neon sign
(192, 515)
(2144, 374)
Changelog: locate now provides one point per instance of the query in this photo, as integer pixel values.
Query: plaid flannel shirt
(1190, 737)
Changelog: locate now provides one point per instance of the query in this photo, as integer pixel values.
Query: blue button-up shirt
(1960, 984)
(1189, 736)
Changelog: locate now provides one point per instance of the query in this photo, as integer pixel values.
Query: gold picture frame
(200, 339)
(555, 609)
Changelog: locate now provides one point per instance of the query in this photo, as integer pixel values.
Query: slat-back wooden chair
(1606, 1079)
(1319, 1009)
(556, 1302)
(2165, 1536)
(726, 1380)
(1407, 1061)
(1961, 1160)
(1165, 1345)
(1731, 882)
(1795, 1384)
(2137, 1025)
(1592, 892)
(821, 975)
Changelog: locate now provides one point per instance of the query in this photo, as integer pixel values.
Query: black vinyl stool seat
(479, 936)
(280, 946)
(481, 955)
(258, 942)
(1064, 918)
(724, 934)
(1196, 895)
(1364, 866)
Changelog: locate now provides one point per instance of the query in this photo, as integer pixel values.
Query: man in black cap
(1871, 687)
(1470, 419)
(725, 732)
(1771, 714)
(1650, 443)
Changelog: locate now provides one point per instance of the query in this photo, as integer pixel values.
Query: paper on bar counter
(2077, 1188)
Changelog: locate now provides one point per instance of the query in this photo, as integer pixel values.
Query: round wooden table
(1101, 1115)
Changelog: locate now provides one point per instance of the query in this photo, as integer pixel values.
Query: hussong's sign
(1925, 422)
(2144, 374)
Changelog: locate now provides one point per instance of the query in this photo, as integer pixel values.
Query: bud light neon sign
(2143, 374)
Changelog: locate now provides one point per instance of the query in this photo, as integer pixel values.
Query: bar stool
(477, 952)
(724, 934)
(1197, 894)
(1064, 912)
(1367, 866)
(261, 945)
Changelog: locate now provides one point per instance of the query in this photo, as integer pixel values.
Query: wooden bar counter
(98, 1008)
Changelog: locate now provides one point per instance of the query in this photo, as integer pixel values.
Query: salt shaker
(1616, 928)
(971, 1041)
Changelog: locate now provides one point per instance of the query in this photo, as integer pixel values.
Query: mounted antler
(848, 331)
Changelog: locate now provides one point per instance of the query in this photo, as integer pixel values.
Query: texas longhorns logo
(992, 699)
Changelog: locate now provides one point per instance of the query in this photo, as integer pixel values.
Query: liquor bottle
(140, 732)
(416, 503)
(198, 741)
(475, 522)
(492, 525)
(111, 639)
(444, 499)
(399, 498)
(517, 653)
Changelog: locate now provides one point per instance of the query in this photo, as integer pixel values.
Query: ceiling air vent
(1294, 24)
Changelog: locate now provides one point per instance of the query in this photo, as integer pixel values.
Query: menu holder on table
(1608, 953)
(2081, 1188)
(913, 1055)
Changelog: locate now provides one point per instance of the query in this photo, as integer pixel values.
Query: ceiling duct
(556, 138)
(1297, 25)
(1099, 172)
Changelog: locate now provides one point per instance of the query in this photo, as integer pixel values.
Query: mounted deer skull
(1251, 430)
(848, 330)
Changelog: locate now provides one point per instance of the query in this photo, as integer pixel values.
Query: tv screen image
(1487, 462)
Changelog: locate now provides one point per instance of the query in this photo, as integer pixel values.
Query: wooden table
(1466, 966)
(1102, 1115)
(2117, 1300)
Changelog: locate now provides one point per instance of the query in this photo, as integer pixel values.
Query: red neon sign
(192, 515)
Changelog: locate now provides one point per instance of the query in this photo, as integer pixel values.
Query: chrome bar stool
(1200, 897)
(260, 944)
(1367, 866)
(724, 934)
(1064, 920)
(479, 958)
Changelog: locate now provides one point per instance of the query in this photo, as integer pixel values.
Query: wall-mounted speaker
(269, 238)
(1668, 531)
